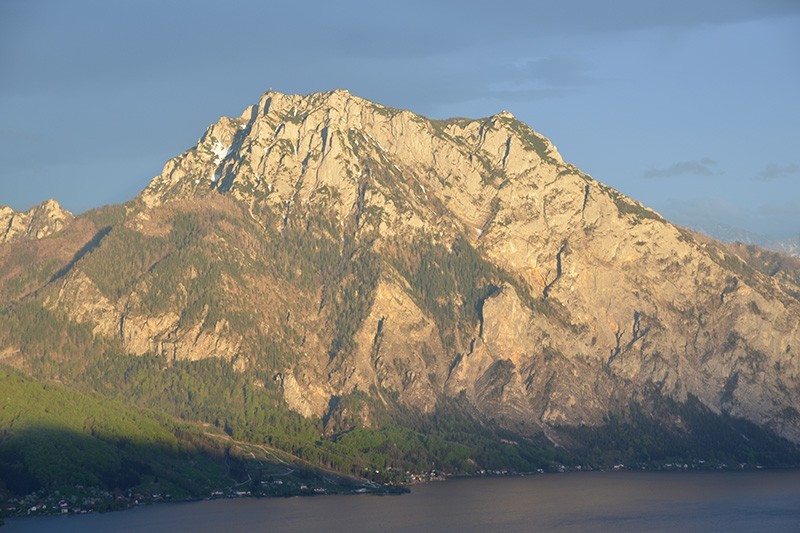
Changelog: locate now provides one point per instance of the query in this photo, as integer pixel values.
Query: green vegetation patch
(626, 206)
(531, 141)
(55, 438)
(649, 435)
(450, 283)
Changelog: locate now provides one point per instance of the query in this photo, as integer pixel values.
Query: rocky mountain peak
(290, 149)
(36, 223)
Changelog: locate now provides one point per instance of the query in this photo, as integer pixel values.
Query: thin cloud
(564, 70)
(776, 172)
(720, 217)
(703, 211)
(788, 208)
(703, 167)
(541, 78)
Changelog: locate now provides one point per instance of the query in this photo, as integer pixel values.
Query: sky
(689, 106)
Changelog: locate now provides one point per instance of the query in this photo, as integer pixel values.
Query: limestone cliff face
(38, 222)
(344, 153)
(305, 218)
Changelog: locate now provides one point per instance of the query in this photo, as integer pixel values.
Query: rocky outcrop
(36, 223)
(164, 334)
(398, 349)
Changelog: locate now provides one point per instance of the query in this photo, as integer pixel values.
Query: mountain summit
(372, 266)
(39, 221)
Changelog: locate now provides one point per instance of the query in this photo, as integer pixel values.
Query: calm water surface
(600, 501)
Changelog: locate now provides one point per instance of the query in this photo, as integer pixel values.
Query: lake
(588, 501)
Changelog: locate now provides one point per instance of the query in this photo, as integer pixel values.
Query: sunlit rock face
(38, 222)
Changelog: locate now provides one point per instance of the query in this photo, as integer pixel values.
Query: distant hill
(731, 234)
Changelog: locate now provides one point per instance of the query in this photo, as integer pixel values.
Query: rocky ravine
(587, 299)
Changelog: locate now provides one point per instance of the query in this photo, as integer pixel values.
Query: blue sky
(690, 106)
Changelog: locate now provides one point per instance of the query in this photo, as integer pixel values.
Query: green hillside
(54, 438)
(65, 449)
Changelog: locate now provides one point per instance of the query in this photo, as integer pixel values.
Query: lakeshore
(588, 501)
(88, 500)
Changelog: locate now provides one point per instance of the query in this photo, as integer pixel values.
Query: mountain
(730, 234)
(343, 279)
(787, 246)
(39, 221)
